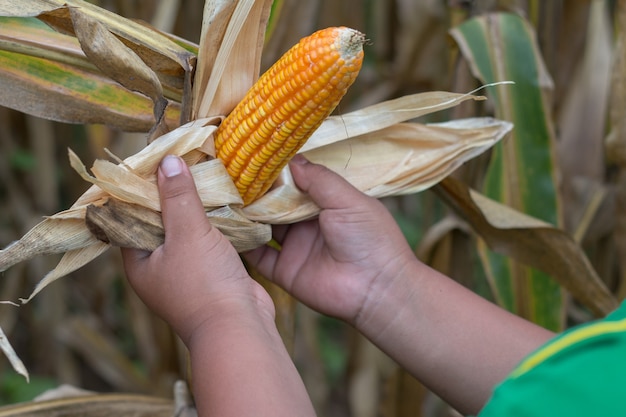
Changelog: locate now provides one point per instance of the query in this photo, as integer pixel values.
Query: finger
(182, 211)
(264, 259)
(328, 189)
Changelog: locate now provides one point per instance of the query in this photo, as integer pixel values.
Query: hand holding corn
(353, 263)
(197, 283)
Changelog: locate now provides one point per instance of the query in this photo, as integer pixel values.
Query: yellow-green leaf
(173, 60)
(61, 92)
(150, 43)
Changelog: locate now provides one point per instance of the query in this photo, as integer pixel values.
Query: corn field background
(89, 330)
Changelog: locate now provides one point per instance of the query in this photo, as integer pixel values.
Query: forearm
(455, 342)
(240, 367)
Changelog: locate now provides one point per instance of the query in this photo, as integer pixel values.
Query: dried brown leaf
(48, 237)
(132, 226)
(70, 262)
(116, 60)
(532, 242)
(125, 225)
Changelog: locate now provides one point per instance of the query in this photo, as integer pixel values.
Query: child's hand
(354, 263)
(338, 263)
(197, 283)
(196, 274)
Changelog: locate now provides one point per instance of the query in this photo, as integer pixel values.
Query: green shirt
(581, 372)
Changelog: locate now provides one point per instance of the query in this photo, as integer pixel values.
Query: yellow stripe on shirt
(567, 340)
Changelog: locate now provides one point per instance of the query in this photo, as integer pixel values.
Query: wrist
(231, 348)
(389, 293)
(254, 308)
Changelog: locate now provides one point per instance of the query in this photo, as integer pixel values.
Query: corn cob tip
(349, 41)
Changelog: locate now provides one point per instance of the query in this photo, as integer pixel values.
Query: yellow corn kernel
(285, 106)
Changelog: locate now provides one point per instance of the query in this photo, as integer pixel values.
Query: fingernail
(299, 159)
(171, 166)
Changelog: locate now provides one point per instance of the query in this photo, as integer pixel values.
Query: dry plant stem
(96, 405)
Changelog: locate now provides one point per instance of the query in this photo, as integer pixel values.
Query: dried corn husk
(392, 160)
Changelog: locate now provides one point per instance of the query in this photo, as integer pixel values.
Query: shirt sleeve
(581, 372)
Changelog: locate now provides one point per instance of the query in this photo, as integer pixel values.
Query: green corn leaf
(502, 47)
(277, 7)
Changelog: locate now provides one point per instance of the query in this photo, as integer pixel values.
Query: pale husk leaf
(415, 157)
(181, 141)
(238, 228)
(214, 186)
(382, 115)
(400, 159)
(70, 262)
(14, 360)
(48, 237)
(232, 69)
(215, 18)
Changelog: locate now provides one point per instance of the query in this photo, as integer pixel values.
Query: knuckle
(176, 190)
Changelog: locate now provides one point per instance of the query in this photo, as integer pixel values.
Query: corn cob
(285, 106)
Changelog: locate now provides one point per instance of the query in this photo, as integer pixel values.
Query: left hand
(196, 274)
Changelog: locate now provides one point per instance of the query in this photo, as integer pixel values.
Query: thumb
(182, 211)
(328, 189)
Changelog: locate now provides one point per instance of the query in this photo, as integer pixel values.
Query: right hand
(341, 262)
(354, 263)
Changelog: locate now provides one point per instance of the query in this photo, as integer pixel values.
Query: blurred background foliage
(90, 330)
